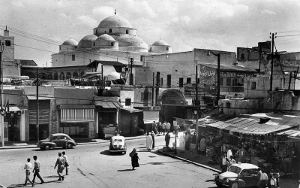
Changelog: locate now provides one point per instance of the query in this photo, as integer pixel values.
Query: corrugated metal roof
(108, 104)
(40, 98)
(250, 126)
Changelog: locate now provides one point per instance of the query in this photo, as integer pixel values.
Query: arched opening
(44, 76)
(75, 75)
(55, 77)
(49, 76)
(62, 76)
(30, 75)
(81, 74)
(68, 76)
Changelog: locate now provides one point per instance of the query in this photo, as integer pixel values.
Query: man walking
(168, 127)
(28, 167)
(36, 170)
(66, 161)
(60, 163)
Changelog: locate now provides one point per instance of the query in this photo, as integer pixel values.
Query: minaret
(6, 32)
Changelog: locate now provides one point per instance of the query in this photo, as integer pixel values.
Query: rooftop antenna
(115, 11)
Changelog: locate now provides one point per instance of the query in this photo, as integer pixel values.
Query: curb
(81, 143)
(189, 161)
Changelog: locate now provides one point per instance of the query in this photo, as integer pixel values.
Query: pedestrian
(260, 182)
(273, 181)
(168, 127)
(149, 142)
(36, 170)
(231, 161)
(167, 139)
(134, 159)
(277, 176)
(67, 165)
(159, 127)
(224, 163)
(28, 167)
(153, 139)
(164, 126)
(60, 163)
(202, 146)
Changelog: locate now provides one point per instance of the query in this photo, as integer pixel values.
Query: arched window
(127, 32)
(81, 74)
(242, 56)
(55, 76)
(112, 43)
(62, 76)
(30, 75)
(44, 76)
(49, 76)
(75, 75)
(68, 76)
(110, 30)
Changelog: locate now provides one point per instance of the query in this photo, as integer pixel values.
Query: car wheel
(219, 184)
(69, 146)
(47, 147)
(235, 185)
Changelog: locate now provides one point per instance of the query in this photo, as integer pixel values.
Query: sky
(39, 27)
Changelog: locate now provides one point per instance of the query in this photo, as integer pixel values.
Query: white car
(117, 145)
(238, 175)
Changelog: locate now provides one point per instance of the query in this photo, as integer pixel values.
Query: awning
(250, 126)
(150, 116)
(132, 110)
(14, 109)
(295, 134)
(31, 97)
(108, 104)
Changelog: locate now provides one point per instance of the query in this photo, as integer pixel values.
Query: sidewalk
(200, 160)
(32, 144)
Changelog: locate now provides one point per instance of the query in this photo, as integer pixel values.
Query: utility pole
(153, 90)
(37, 105)
(1, 90)
(197, 111)
(131, 76)
(272, 61)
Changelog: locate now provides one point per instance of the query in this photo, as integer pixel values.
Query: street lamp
(1, 91)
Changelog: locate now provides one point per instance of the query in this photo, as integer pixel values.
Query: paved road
(93, 166)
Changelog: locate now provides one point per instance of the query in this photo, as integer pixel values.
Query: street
(93, 166)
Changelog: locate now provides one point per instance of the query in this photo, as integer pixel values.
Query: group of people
(61, 164)
(163, 127)
(271, 180)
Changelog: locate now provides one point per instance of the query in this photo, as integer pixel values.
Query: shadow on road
(106, 152)
(16, 185)
(125, 170)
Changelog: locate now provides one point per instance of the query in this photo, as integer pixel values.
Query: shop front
(13, 130)
(78, 121)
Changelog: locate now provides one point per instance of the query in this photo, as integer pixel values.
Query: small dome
(129, 40)
(115, 21)
(160, 43)
(105, 37)
(70, 42)
(87, 41)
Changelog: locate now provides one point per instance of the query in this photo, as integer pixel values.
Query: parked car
(57, 140)
(117, 145)
(238, 175)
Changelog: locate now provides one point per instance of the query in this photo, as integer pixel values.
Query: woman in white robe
(149, 142)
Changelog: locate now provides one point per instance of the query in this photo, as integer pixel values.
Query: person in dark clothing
(167, 139)
(153, 139)
(36, 170)
(134, 159)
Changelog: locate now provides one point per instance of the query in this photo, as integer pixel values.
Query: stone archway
(173, 104)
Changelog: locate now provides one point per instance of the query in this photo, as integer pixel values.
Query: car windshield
(117, 140)
(234, 169)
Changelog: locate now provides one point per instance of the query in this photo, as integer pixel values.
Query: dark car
(57, 140)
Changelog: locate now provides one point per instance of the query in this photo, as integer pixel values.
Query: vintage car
(57, 140)
(117, 145)
(238, 175)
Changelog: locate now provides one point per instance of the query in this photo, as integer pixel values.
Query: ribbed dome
(105, 37)
(160, 43)
(70, 42)
(87, 41)
(129, 40)
(115, 21)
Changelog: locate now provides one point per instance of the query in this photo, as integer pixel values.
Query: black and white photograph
(150, 93)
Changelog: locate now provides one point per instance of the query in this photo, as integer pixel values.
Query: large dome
(70, 42)
(105, 37)
(129, 40)
(160, 43)
(87, 41)
(115, 21)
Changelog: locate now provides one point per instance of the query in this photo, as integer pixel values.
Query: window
(242, 56)
(167, 47)
(228, 82)
(110, 30)
(161, 81)
(188, 80)
(112, 43)
(7, 43)
(221, 81)
(73, 57)
(169, 80)
(127, 31)
(180, 82)
(94, 43)
(253, 85)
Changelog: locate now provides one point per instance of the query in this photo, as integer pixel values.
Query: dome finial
(115, 11)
